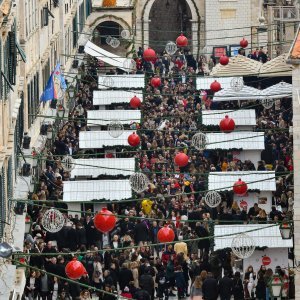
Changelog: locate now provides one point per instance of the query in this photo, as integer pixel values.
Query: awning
(109, 58)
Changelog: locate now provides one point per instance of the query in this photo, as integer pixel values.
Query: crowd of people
(129, 261)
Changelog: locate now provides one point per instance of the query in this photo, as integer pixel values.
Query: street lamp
(71, 91)
(60, 111)
(286, 229)
(49, 133)
(275, 286)
(28, 223)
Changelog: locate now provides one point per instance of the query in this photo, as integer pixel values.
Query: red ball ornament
(215, 86)
(149, 55)
(155, 82)
(224, 60)
(134, 140)
(135, 102)
(105, 221)
(227, 124)
(244, 43)
(240, 187)
(165, 235)
(181, 159)
(182, 41)
(75, 269)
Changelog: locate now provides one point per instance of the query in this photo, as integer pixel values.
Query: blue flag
(48, 93)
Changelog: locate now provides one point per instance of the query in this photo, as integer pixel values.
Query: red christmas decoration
(243, 204)
(215, 86)
(75, 269)
(135, 102)
(182, 41)
(149, 55)
(240, 187)
(224, 60)
(134, 140)
(105, 221)
(181, 159)
(227, 124)
(165, 235)
(244, 43)
(266, 260)
(155, 82)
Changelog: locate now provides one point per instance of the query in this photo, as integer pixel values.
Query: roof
(99, 139)
(281, 89)
(263, 236)
(246, 93)
(78, 191)
(108, 57)
(133, 81)
(103, 166)
(104, 117)
(203, 83)
(238, 66)
(236, 140)
(276, 67)
(241, 117)
(107, 97)
(260, 180)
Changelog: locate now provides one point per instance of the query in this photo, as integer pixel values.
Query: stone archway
(188, 8)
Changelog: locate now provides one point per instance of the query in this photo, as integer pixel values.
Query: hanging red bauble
(105, 221)
(155, 82)
(244, 43)
(75, 269)
(227, 124)
(182, 41)
(215, 86)
(165, 235)
(134, 140)
(181, 159)
(135, 102)
(224, 60)
(266, 260)
(240, 187)
(149, 55)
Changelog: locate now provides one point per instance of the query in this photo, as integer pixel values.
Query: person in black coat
(72, 238)
(210, 288)
(80, 234)
(237, 287)
(225, 287)
(203, 244)
(141, 232)
(125, 276)
(142, 294)
(146, 283)
(260, 290)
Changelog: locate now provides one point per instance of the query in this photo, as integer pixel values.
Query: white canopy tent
(241, 117)
(279, 90)
(236, 140)
(108, 57)
(264, 235)
(103, 166)
(78, 191)
(246, 93)
(99, 139)
(107, 97)
(262, 180)
(135, 81)
(275, 91)
(105, 117)
(203, 83)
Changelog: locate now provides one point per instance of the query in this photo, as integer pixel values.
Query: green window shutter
(12, 57)
(2, 202)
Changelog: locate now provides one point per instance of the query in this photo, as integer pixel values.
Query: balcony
(285, 13)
